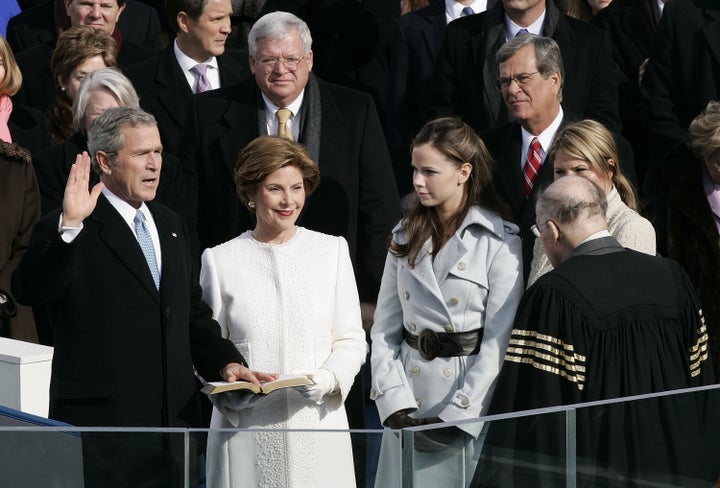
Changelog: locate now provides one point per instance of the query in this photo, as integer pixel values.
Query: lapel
(117, 236)
(507, 165)
(237, 119)
(231, 72)
(170, 243)
(484, 47)
(423, 271)
(711, 33)
(174, 90)
(433, 32)
(332, 128)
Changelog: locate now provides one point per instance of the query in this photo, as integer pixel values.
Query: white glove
(325, 383)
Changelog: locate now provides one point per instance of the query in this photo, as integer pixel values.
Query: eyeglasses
(270, 63)
(535, 229)
(520, 79)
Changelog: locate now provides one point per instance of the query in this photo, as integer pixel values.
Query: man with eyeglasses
(607, 322)
(466, 71)
(195, 62)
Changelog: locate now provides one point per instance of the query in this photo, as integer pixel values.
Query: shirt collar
(187, 63)
(511, 28)
(545, 138)
(453, 8)
(126, 211)
(294, 106)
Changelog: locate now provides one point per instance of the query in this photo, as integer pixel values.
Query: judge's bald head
(568, 211)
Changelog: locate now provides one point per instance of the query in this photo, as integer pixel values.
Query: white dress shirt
(187, 63)
(293, 122)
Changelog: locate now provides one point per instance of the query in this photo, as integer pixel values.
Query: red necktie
(532, 166)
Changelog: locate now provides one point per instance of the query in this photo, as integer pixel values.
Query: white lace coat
(287, 307)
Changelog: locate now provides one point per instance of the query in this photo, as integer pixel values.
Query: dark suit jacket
(28, 128)
(139, 24)
(418, 36)
(165, 93)
(683, 74)
(38, 90)
(357, 197)
(466, 72)
(124, 351)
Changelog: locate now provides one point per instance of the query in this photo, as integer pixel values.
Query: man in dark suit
(167, 81)
(38, 81)
(466, 72)
(41, 23)
(416, 44)
(129, 323)
(683, 73)
(357, 198)
(532, 82)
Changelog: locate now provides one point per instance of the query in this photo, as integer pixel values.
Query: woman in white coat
(451, 285)
(286, 296)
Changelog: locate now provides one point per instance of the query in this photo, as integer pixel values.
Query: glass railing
(663, 440)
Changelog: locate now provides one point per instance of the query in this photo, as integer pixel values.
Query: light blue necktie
(146, 244)
(522, 32)
(466, 11)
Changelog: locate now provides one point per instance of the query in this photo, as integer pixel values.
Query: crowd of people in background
(389, 197)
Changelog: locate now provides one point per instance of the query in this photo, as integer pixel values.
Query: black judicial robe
(607, 323)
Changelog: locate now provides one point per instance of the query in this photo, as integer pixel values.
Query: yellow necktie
(283, 115)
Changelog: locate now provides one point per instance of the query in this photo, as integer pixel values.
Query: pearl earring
(251, 204)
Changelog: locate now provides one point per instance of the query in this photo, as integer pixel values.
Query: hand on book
(236, 372)
(325, 384)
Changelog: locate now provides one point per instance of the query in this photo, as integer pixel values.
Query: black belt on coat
(433, 344)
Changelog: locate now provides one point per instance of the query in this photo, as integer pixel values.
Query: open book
(285, 381)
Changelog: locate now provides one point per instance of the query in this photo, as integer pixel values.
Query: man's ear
(103, 160)
(555, 230)
(182, 22)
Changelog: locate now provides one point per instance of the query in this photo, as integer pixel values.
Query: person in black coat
(39, 86)
(116, 299)
(683, 73)
(466, 73)
(166, 81)
(41, 23)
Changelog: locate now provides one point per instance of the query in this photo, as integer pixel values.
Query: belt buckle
(428, 344)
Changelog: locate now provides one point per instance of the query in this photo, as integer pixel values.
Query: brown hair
(267, 154)
(73, 48)
(11, 83)
(459, 143)
(591, 142)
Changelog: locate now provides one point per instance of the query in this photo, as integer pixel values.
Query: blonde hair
(12, 81)
(704, 132)
(591, 142)
(267, 154)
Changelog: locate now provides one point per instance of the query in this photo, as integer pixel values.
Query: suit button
(406, 295)
(415, 370)
(413, 327)
(454, 301)
(448, 328)
(461, 266)
(447, 372)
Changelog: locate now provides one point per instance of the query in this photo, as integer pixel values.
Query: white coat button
(406, 295)
(415, 370)
(461, 266)
(447, 372)
(448, 328)
(454, 301)
(465, 402)
(418, 402)
(413, 327)
(373, 394)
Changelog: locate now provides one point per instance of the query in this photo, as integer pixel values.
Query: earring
(251, 204)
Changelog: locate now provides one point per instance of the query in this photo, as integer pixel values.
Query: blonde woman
(587, 149)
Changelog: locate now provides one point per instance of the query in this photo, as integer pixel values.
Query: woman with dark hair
(451, 285)
(286, 296)
(80, 50)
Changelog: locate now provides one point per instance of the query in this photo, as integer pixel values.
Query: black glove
(401, 420)
(7, 304)
(436, 440)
